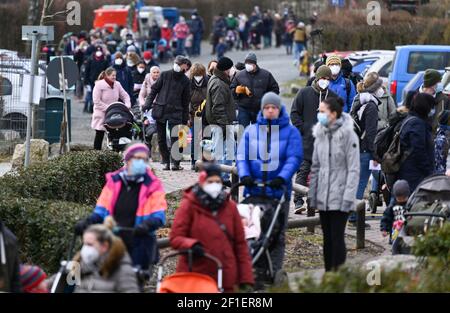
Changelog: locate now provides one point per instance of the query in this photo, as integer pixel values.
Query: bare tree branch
(57, 13)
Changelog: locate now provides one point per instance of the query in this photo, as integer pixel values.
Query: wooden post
(234, 181)
(360, 225)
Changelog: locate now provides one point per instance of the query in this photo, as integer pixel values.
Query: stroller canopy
(117, 115)
(436, 187)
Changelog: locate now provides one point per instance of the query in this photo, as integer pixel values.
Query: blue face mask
(138, 167)
(322, 118)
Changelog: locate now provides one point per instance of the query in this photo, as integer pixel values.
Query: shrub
(44, 228)
(74, 177)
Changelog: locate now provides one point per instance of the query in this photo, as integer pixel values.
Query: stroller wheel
(280, 278)
(373, 202)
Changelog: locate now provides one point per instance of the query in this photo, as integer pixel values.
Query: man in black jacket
(304, 117)
(172, 94)
(248, 88)
(9, 261)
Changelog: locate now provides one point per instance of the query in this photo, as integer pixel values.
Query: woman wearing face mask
(123, 73)
(149, 80)
(208, 221)
(104, 263)
(138, 79)
(199, 82)
(365, 113)
(96, 64)
(416, 140)
(135, 198)
(334, 177)
(107, 90)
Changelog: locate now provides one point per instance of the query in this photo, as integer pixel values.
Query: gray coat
(386, 109)
(335, 166)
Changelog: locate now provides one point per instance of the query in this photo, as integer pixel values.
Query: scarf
(109, 82)
(207, 201)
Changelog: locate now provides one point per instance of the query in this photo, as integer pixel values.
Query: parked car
(361, 60)
(382, 66)
(409, 60)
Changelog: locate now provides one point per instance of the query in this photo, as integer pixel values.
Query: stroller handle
(187, 251)
(426, 214)
(257, 184)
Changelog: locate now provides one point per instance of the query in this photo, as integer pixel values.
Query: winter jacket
(270, 149)
(259, 83)
(151, 204)
(196, 26)
(386, 110)
(146, 89)
(195, 223)
(181, 30)
(173, 91)
(304, 114)
(198, 95)
(113, 275)
(155, 33)
(343, 87)
(138, 81)
(390, 215)
(9, 261)
(103, 96)
(93, 69)
(366, 107)
(220, 108)
(125, 78)
(416, 138)
(335, 166)
(441, 146)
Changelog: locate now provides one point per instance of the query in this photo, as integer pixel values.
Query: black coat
(219, 109)
(259, 83)
(93, 69)
(10, 282)
(304, 115)
(416, 138)
(173, 91)
(368, 122)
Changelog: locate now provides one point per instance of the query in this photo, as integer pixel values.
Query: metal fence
(13, 112)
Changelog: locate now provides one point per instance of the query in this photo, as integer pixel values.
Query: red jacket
(193, 224)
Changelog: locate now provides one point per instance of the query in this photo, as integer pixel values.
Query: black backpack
(360, 132)
(385, 136)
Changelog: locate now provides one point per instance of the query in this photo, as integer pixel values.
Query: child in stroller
(250, 215)
(119, 126)
(164, 51)
(149, 127)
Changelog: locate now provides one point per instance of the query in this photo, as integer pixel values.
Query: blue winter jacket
(282, 158)
(339, 87)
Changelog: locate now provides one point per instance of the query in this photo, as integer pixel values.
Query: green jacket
(220, 107)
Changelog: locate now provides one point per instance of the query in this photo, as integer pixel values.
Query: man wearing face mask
(96, 64)
(149, 61)
(172, 93)
(197, 28)
(138, 79)
(134, 197)
(248, 88)
(129, 42)
(340, 85)
(208, 221)
(304, 117)
(124, 74)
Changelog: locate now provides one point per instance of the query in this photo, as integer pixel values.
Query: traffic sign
(54, 73)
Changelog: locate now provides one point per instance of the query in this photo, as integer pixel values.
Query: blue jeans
(376, 175)
(246, 117)
(224, 149)
(180, 46)
(196, 44)
(364, 174)
(299, 47)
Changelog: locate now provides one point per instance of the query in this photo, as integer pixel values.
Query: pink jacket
(181, 30)
(103, 95)
(146, 88)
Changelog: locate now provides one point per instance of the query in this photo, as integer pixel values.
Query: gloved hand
(81, 226)
(245, 288)
(248, 92)
(197, 250)
(146, 226)
(240, 89)
(247, 181)
(276, 183)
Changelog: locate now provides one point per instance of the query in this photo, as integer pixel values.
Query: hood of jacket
(344, 123)
(221, 75)
(282, 120)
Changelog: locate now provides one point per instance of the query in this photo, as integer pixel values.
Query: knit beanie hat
(333, 59)
(323, 72)
(251, 58)
(224, 64)
(271, 98)
(208, 170)
(148, 55)
(371, 83)
(401, 189)
(30, 277)
(444, 118)
(133, 149)
(431, 77)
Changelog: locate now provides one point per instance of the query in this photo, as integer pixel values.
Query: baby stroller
(377, 197)
(119, 126)
(189, 282)
(427, 207)
(164, 51)
(272, 219)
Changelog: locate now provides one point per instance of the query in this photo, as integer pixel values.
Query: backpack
(384, 138)
(361, 133)
(394, 156)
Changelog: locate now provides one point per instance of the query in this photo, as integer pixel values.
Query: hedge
(74, 177)
(44, 228)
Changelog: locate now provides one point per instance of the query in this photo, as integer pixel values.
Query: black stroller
(272, 219)
(119, 126)
(427, 207)
(377, 197)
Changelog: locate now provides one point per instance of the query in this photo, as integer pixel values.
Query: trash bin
(53, 118)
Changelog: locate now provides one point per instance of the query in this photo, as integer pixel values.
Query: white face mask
(98, 54)
(335, 69)
(129, 42)
(118, 61)
(141, 70)
(323, 83)
(213, 189)
(89, 254)
(198, 78)
(130, 63)
(147, 61)
(379, 93)
(249, 67)
(176, 68)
